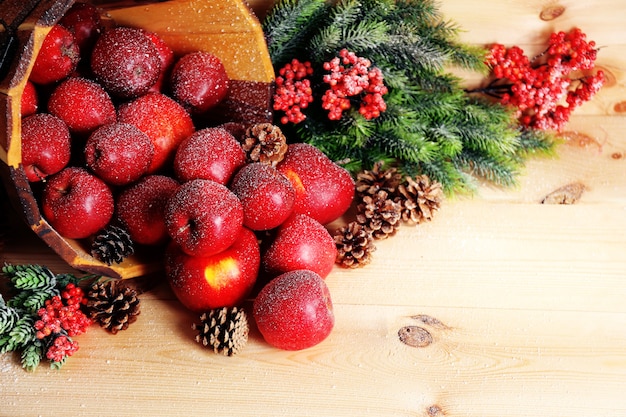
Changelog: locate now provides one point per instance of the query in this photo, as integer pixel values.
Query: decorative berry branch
(364, 81)
(546, 89)
(43, 315)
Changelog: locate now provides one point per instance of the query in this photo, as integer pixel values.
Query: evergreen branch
(288, 25)
(31, 356)
(499, 171)
(29, 277)
(8, 317)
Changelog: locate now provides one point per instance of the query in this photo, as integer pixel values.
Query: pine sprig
(431, 125)
(31, 286)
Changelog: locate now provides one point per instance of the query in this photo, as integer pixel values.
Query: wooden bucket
(226, 28)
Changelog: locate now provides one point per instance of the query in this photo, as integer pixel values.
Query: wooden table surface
(525, 303)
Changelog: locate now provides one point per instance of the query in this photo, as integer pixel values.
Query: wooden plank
(483, 362)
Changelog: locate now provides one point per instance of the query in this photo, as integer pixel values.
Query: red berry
(84, 21)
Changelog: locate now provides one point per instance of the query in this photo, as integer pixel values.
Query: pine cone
(225, 330)
(419, 199)
(113, 306)
(370, 182)
(379, 215)
(264, 142)
(354, 246)
(112, 244)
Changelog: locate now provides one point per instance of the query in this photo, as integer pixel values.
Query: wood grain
(524, 301)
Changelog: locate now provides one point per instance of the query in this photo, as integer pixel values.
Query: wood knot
(551, 12)
(567, 194)
(617, 155)
(620, 107)
(415, 336)
(435, 411)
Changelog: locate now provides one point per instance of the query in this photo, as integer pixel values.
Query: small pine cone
(224, 329)
(419, 199)
(264, 142)
(370, 182)
(354, 246)
(379, 215)
(112, 245)
(113, 306)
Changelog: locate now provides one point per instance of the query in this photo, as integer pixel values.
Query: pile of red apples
(109, 136)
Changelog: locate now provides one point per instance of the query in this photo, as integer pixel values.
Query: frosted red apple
(76, 203)
(141, 208)
(267, 196)
(199, 81)
(203, 217)
(46, 145)
(82, 104)
(165, 122)
(294, 311)
(57, 58)
(118, 153)
(225, 279)
(324, 190)
(126, 62)
(211, 153)
(301, 243)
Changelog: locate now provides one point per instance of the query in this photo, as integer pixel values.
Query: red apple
(221, 280)
(301, 243)
(166, 54)
(267, 195)
(165, 122)
(57, 58)
(46, 145)
(82, 104)
(211, 153)
(30, 100)
(118, 153)
(203, 217)
(84, 21)
(141, 208)
(324, 190)
(199, 81)
(294, 311)
(76, 203)
(125, 62)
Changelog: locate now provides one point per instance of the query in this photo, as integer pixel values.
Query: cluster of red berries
(350, 77)
(293, 91)
(353, 76)
(61, 319)
(542, 89)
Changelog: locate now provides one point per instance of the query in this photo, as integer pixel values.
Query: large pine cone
(419, 199)
(113, 306)
(354, 245)
(370, 182)
(379, 215)
(264, 142)
(112, 245)
(225, 330)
